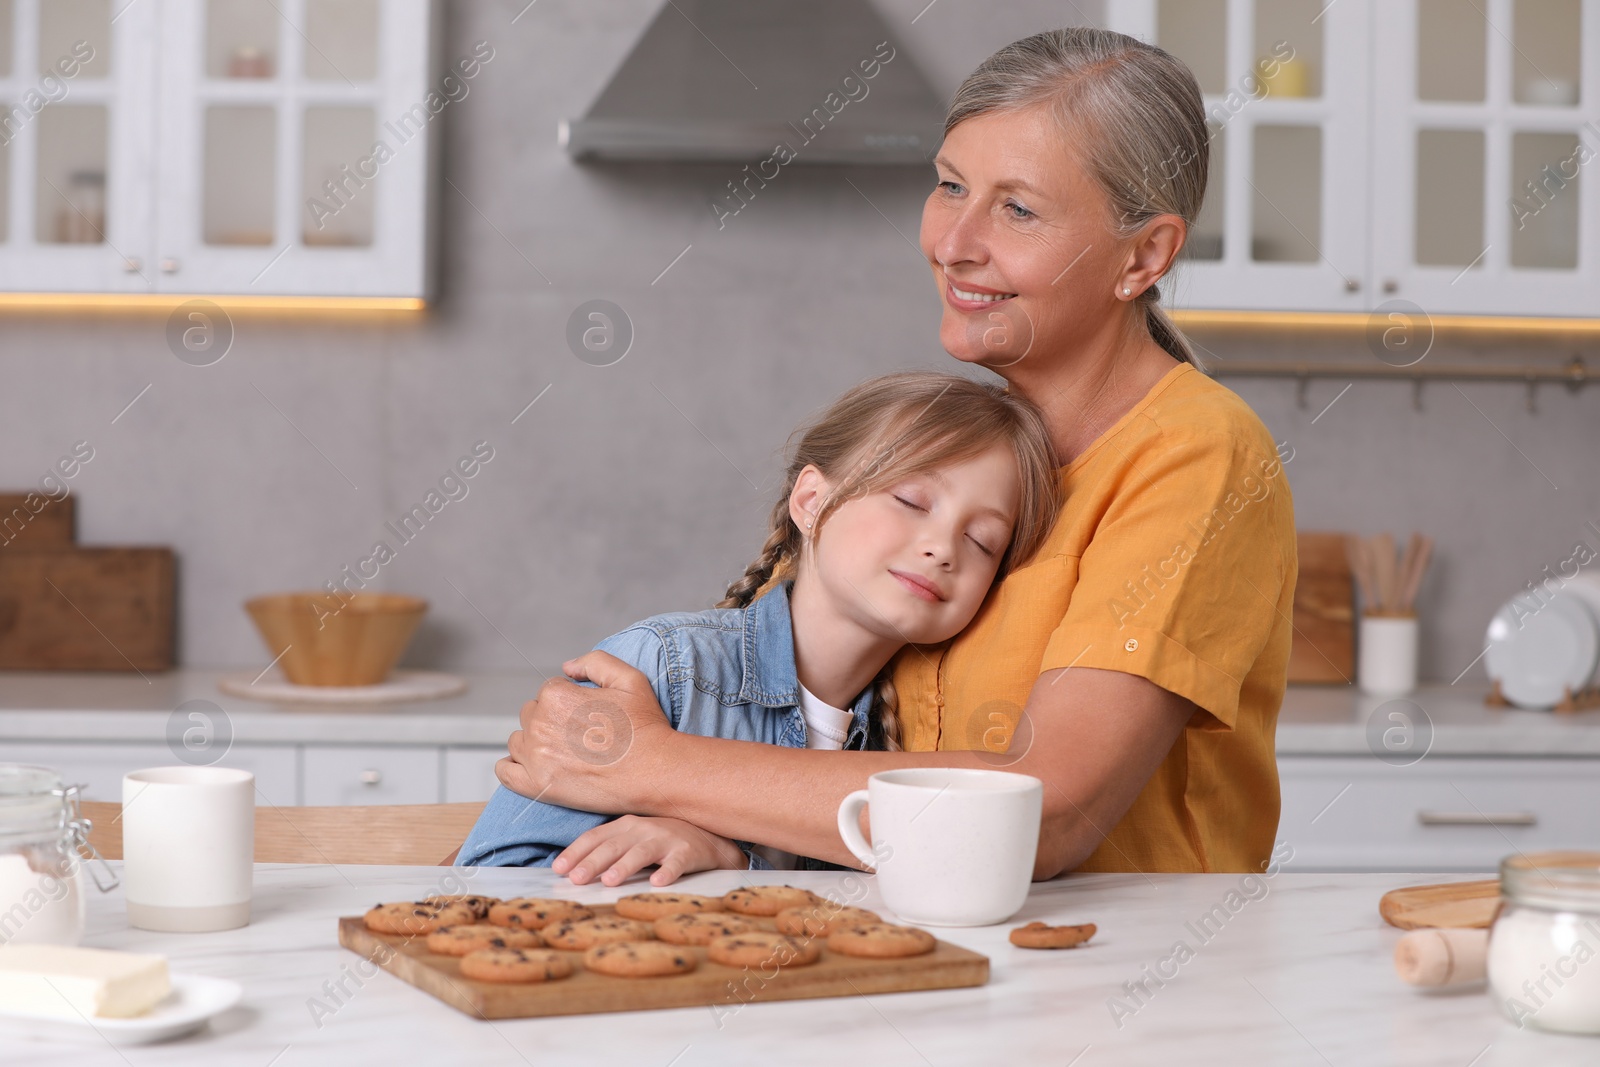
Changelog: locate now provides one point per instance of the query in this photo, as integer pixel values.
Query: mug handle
(850, 828)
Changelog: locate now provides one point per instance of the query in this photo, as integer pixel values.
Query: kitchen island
(1298, 972)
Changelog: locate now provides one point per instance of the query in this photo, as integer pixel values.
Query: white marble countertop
(42, 706)
(1301, 974)
(1314, 721)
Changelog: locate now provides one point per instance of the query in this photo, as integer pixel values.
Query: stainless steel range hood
(733, 80)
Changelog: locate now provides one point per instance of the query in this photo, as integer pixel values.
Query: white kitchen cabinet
(397, 774)
(469, 774)
(1389, 164)
(1485, 200)
(100, 767)
(76, 146)
(1439, 814)
(219, 147)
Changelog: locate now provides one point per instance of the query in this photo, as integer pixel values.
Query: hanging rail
(1573, 374)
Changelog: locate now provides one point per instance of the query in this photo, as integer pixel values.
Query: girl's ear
(810, 490)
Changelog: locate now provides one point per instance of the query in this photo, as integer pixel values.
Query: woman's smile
(970, 297)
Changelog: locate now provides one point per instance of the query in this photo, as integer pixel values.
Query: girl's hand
(622, 846)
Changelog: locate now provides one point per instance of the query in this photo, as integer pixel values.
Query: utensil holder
(1386, 659)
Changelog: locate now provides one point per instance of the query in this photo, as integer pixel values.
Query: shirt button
(1132, 645)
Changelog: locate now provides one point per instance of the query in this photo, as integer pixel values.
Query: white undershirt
(826, 728)
(826, 725)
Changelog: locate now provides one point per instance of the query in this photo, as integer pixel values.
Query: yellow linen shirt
(1173, 559)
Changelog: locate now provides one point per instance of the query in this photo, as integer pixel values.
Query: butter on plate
(57, 982)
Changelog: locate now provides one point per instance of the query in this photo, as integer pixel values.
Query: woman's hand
(620, 847)
(594, 749)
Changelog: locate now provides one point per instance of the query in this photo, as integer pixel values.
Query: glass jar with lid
(43, 838)
(1544, 945)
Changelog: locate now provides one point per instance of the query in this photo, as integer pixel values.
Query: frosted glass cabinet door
(1486, 149)
(299, 149)
(75, 146)
(1286, 87)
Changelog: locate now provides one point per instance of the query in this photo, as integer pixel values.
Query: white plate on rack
(194, 999)
(1586, 587)
(1537, 651)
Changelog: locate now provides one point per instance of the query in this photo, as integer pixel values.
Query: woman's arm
(1096, 738)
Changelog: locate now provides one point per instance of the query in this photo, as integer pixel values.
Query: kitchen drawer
(390, 774)
(469, 773)
(1440, 814)
(101, 767)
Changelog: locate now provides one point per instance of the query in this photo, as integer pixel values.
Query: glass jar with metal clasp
(44, 842)
(1544, 945)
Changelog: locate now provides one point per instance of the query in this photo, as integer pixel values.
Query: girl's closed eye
(982, 545)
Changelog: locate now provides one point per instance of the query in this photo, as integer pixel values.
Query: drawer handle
(1474, 818)
(371, 777)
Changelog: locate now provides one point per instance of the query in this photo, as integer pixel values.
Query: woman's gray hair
(1136, 107)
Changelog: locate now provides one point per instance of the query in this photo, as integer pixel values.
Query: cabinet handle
(370, 777)
(1352, 285)
(169, 266)
(132, 265)
(1390, 285)
(1473, 818)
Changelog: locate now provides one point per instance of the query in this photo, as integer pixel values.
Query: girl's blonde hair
(1134, 115)
(887, 429)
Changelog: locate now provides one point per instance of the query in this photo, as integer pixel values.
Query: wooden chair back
(399, 834)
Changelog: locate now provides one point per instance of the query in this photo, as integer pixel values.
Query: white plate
(399, 686)
(194, 999)
(1536, 652)
(1586, 587)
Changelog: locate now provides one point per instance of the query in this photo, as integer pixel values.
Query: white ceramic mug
(952, 846)
(188, 844)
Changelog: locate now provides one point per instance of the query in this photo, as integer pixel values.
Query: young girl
(931, 487)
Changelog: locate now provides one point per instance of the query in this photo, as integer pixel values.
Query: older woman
(1136, 666)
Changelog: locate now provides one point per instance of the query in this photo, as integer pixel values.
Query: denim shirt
(725, 672)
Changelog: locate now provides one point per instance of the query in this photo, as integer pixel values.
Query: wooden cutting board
(52, 525)
(86, 609)
(1454, 904)
(710, 984)
(1324, 644)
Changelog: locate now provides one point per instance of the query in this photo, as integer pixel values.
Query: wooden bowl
(328, 641)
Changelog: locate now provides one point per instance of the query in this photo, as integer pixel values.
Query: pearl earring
(1126, 291)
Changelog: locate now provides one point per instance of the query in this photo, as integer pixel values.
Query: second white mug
(952, 846)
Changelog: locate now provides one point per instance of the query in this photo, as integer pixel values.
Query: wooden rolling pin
(1441, 958)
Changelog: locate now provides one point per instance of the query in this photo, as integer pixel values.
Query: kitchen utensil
(399, 686)
(323, 640)
(86, 609)
(1388, 656)
(1384, 571)
(1452, 904)
(1442, 958)
(1418, 554)
(952, 846)
(1389, 587)
(188, 839)
(1323, 648)
(724, 989)
(194, 999)
(1542, 649)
